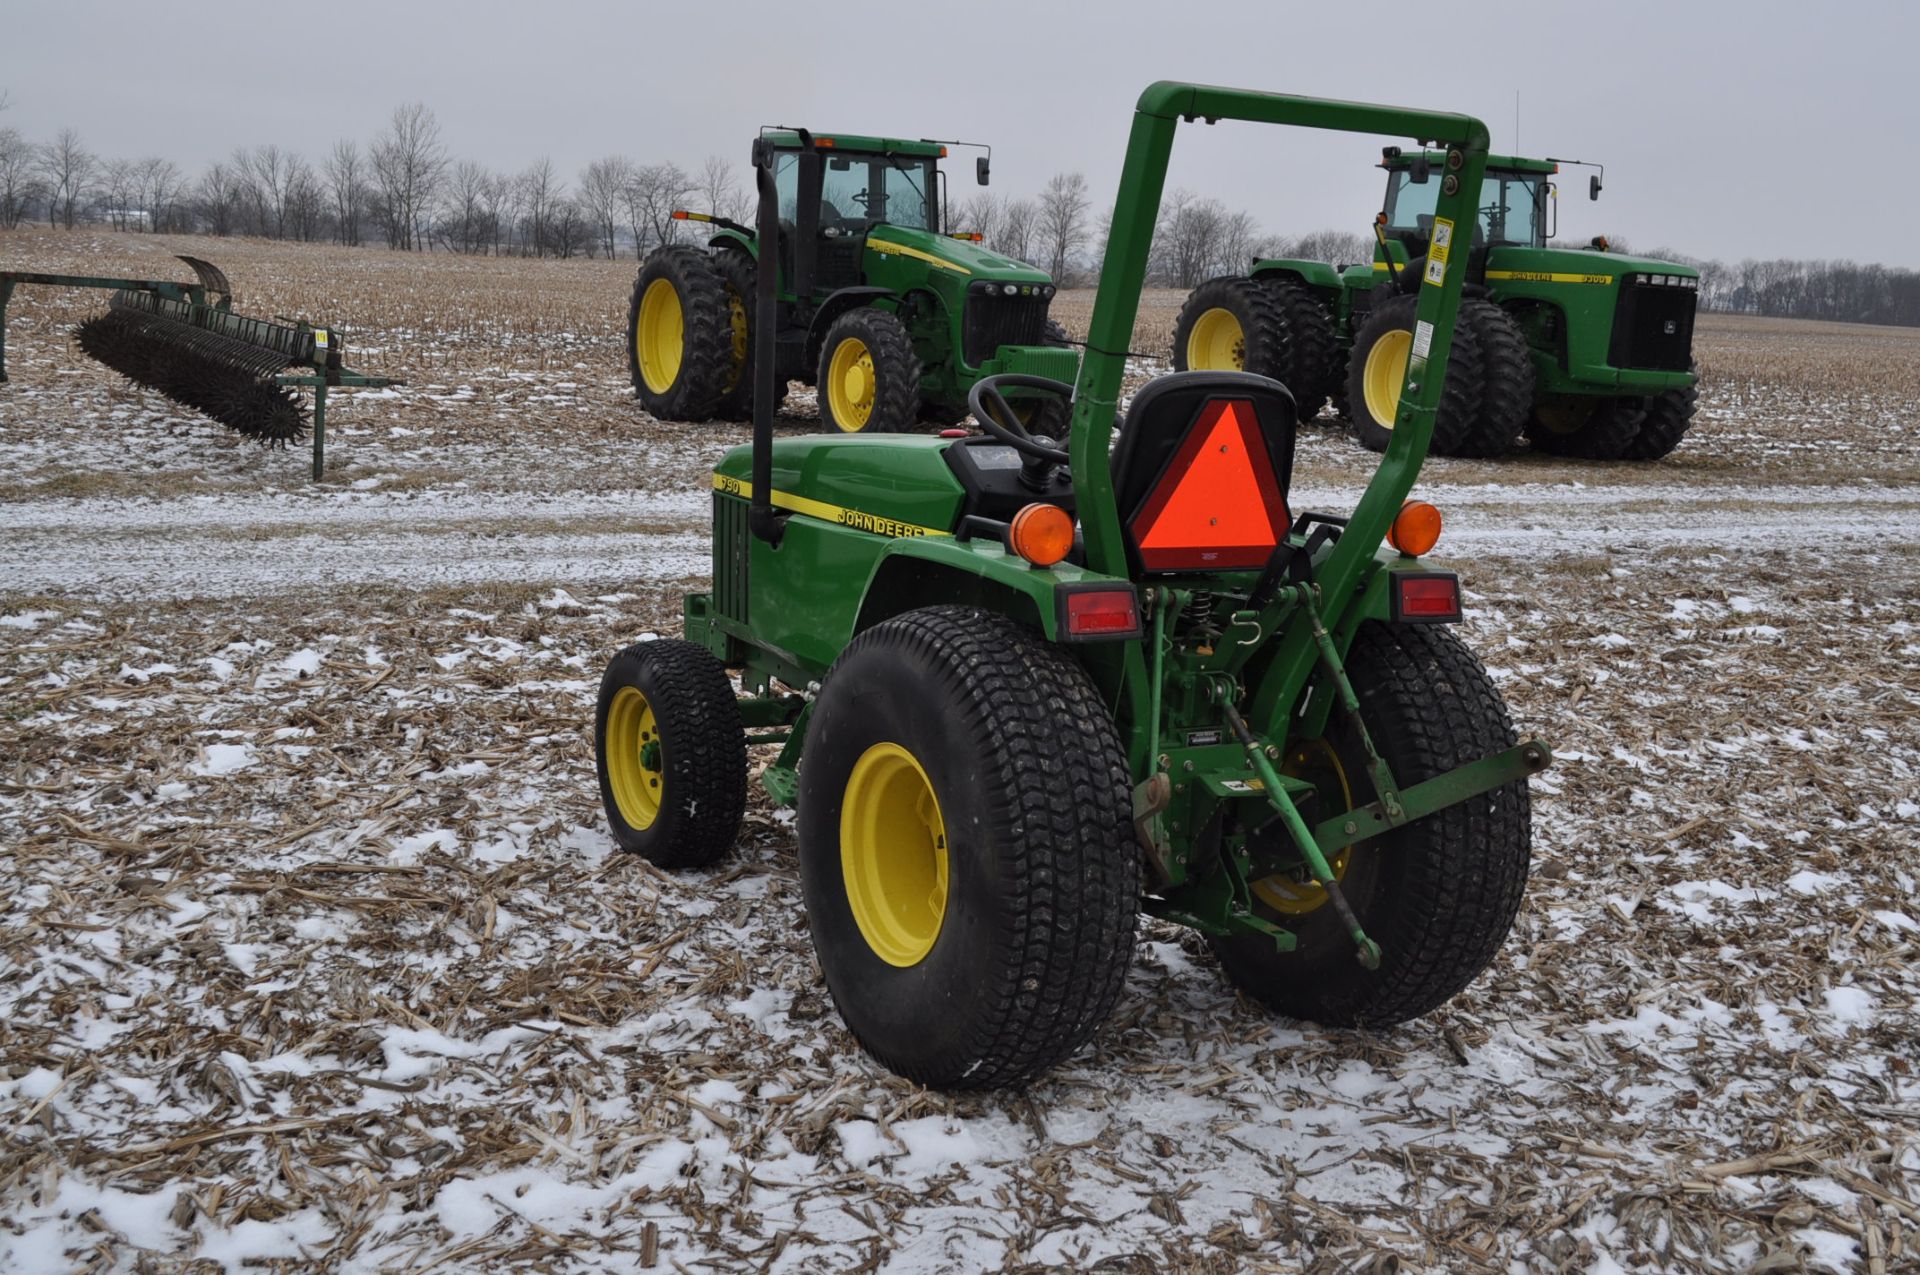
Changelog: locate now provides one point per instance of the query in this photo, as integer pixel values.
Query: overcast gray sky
(1728, 129)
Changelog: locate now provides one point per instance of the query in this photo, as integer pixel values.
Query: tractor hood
(1586, 263)
(958, 256)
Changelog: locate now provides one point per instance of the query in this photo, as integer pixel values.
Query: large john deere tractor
(892, 316)
(1024, 689)
(1586, 351)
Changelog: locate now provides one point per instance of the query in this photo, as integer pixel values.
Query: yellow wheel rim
(850, 384)
(893, 854)
(1386, 372)
(636, 764)
(659, 338)
(737, 326)
(1217, 343)
(1297, 893)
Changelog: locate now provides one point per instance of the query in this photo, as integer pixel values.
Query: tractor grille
(1653, 328)
(730, 557)
(996, 321)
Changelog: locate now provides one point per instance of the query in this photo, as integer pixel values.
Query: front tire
(1440, 894)
(1669, 416)
(1378, 371)
(671, 753)
(869, 378)
(971, 885)
(679, 336)
(1585, 427)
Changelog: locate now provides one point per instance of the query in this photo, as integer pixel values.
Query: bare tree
(157, 187)
(265, 173)
(1019, 222)
(303, 201)
(542, 192)
(1339, 247)
(118, 187)
(1186, 241)
(655, 191)
(981, 214)
(603, 193)
(18, 186)
(346, 177)
(1063, 221)
(219, 195)
(466, 224)
(409, 163)
(68, 167)
(720, 189)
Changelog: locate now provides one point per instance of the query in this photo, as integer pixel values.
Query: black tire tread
(1076, 876)
(1506, 381)
(706, 754)
(896, 369)
(696, 392)
(740, 275)
(1430, 707)
(1460, 395)
(1669, 417)
(1606, 436)
(1263, 326)
(1315, 353)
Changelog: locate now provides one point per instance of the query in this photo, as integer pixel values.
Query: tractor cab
(1515, 206)
(834, 192)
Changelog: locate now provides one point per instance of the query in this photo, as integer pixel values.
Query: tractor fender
(933, 571)
(734, 241)
(837, 304)
(1317, 275)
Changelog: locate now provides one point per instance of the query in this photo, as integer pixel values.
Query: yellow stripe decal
(1528, 276)
(857, 519)
(900, 249)
(1542, 276)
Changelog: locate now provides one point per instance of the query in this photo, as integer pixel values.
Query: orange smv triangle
(1218, 505)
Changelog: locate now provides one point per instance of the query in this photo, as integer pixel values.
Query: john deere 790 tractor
(1588, 352)
(1024, 689)
(891, 315)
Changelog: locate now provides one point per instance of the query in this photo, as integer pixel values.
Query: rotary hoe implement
(185, 341)
(1027, 686)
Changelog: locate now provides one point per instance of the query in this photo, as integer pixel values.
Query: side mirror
(981, 169)
(762, 153)
(1420, 170)
(1593, 186)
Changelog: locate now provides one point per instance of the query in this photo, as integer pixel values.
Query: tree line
(404, 189)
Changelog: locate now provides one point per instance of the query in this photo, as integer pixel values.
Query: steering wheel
(997, 417)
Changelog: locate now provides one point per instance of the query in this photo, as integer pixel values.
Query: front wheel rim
(636, 763)
(851, 385)
(1386, 372)
(659, 338)
(1217, 343)
(893, 855)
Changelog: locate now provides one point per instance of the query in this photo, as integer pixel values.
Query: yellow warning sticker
(1437, 250)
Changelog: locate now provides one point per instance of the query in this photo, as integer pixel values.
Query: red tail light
(1089, 611)
(1426, 597)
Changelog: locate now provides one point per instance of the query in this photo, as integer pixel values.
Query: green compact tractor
(1588, 352)
(890, 315)
(1024, 689)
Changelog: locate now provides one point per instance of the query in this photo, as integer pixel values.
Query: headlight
(1047, 291)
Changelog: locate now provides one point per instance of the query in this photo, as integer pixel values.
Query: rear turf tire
(1025, 957)
(1585, 428)
(1438, 895)
(1506, 381)
(869, 379)
(679, 338)
(1380, 351)
(1669, 416)
(671, 754)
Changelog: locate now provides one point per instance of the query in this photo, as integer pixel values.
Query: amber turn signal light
(1042, 534)
(1416, 528)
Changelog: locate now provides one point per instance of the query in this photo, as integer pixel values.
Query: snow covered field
(315, 953)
